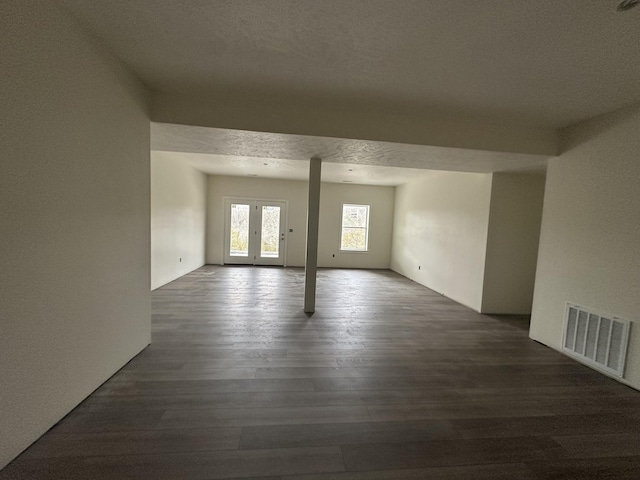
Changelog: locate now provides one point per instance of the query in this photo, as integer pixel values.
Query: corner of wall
(178, 218)
(75, 195)
(588, 253)
(512, 242)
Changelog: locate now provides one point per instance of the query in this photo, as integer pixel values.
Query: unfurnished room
(320, 239)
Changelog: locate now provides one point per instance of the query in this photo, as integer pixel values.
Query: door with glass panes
(254, 232)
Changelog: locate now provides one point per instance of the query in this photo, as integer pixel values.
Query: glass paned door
(254, 232)
(239, 230)
(270, 232)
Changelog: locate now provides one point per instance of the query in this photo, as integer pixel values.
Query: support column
(313, 217)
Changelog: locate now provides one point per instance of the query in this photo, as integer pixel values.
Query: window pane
(354, 216)
(270, 231)
(239, 230)
(355, 226)
(354, 238)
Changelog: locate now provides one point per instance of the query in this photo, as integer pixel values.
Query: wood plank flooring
(388, 380)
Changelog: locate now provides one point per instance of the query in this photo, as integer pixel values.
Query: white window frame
(366, 247)
(252, 259)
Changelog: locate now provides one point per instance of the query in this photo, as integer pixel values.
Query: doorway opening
(255, 231)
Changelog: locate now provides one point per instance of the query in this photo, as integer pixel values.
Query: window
(355, 228)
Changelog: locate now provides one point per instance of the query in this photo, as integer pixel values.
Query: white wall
(286, 112)
(178, 217)
(269, 189)
(440, 225)
(381, 199)
(512, 242)
(295, 192)
(590, 237)
(74, 220)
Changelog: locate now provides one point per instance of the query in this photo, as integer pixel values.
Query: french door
(254, 231)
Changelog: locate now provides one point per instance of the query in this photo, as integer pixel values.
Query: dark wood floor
(388, 380)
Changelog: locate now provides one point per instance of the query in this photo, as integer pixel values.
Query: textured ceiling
(293, 169)
(235, 152)
(548, 63)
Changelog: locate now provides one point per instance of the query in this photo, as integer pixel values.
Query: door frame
(226, 204)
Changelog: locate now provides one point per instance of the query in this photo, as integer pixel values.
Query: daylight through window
(355, 228)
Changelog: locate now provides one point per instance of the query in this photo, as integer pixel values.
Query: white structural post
(313, 217)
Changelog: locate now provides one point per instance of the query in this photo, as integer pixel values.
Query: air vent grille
(597, 339)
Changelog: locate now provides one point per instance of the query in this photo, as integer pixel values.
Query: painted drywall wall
(512, 242)
(74, 220)
(440, 233)
(178, 217)
(381, 200)
(295, 193)
(289, 113)
(590, 236)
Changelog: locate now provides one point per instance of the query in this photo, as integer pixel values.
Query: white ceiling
(547, 63)
(538, 63)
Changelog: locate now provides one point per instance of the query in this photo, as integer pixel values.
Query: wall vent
(597, 339)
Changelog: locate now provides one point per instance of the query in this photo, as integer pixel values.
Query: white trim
(367, 228)
(226, 203)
